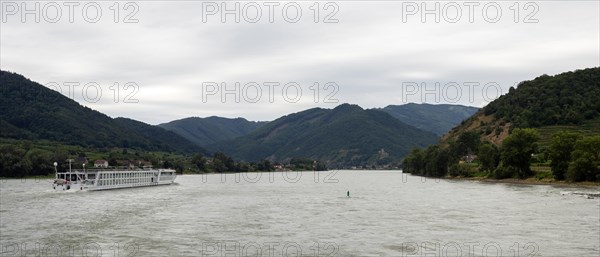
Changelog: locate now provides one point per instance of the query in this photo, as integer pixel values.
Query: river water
(300, 214)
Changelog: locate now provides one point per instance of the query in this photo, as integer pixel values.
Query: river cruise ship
(111, 178)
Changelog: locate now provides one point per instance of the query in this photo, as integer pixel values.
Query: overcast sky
(371, 53)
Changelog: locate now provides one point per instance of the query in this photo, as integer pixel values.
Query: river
(300, 214)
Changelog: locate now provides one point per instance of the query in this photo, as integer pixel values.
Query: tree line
(25, 159)
(571, 157)
(569, 98)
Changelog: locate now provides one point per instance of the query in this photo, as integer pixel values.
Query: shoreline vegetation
(517, 181)
(569, 159)
(530, 181)
(31, 159)
(544, 130)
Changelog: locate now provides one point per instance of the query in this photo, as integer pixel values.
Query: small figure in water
(348, 194)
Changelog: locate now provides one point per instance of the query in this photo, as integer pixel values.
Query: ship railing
(114, 168)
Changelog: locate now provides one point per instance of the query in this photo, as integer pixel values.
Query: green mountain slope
(32, 111)
(164, 139)
(547, 128)
(439, 118)
(205, 131)
(344, 136)
(567, 99)
(586, 128)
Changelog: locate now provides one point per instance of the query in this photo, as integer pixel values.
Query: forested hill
(570, 98)
(34, 112)
(163, 139)
(547, 124)
(436, 118)
(205, 131)
(565, 99)
(345, 136)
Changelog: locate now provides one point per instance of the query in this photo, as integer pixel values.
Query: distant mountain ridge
(344, 136)
(34, 112)
(438, 118)
(169, 139)
(206, 131)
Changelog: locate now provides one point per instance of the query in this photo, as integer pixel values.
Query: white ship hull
(112, 179)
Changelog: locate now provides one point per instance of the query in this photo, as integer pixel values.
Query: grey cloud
(369, 54)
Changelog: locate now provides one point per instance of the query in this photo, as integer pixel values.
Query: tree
(561, 147)
(320, 166)
(517, 150)
(178, 165)
(41, 162)
(167, 164)
(13, 163)
(218, 165)
(459, 170)
(227, 163)
(468, 142)
(199, 161)
(586, 159)
(436, 160)
(489, 156)
(414, 162)
(265, 165)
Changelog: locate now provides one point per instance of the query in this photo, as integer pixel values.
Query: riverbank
(531, 181)
(528, 181)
